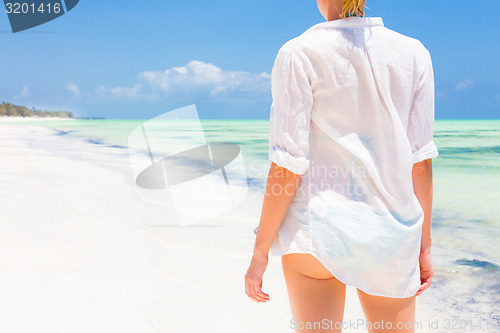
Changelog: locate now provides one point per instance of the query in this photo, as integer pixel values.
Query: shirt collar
(349, 22)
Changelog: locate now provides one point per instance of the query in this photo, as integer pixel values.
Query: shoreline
(7, 119)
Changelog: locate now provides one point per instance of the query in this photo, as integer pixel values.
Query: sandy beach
(78, 255)
(79, 251)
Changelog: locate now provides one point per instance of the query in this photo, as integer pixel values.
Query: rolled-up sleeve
(289, 122)
(421, 117)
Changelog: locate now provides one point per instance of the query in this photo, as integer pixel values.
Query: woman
(349, 193)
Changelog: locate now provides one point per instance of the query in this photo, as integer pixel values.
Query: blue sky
(138, 59)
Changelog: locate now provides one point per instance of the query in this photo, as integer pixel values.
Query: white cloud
(441, 94)
(198, 77)
(464, 84)
(25, 92)
(120, 92)
(71, 86)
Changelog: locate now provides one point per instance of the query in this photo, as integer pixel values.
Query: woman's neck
(333, 10)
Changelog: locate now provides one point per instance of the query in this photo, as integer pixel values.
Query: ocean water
(465, 294)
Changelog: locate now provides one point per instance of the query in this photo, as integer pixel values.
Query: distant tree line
(7, 109)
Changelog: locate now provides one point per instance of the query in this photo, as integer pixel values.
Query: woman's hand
(426, 271)
(253, 278)
(280, 189)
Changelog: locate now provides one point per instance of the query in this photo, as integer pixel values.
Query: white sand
(78, 252)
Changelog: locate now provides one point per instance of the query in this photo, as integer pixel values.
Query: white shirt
(353, 110)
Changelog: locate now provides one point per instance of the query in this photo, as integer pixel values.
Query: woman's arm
(280, 190)
(422, 186)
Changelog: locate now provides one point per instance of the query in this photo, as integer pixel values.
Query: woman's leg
(384, 314)
(316, 297)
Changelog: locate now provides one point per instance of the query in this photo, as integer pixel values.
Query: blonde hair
(353, 8)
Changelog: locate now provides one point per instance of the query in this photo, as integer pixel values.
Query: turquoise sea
(466, 214)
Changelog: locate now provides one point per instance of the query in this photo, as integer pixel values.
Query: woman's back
(343, 58)
(353, 109)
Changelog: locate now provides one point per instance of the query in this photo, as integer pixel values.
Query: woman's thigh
(384, 314)
(316, 297)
